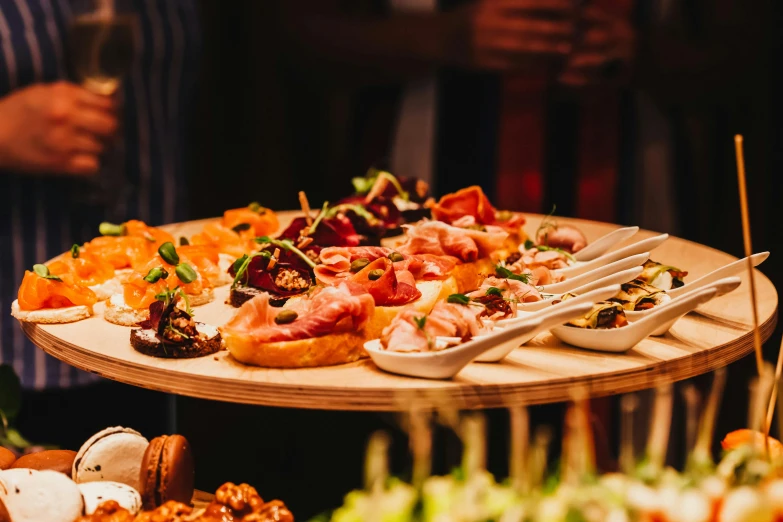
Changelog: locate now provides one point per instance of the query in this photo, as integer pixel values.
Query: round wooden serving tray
(545, 370)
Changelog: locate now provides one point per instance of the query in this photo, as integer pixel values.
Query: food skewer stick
(628, 405)
(760, 389)
(775, 392)
(473, 434)
(520, 442)
(305, 207)
(748, 248)
(539, 455)
(376, 470)
(578, 445)
(661, 426)
(420, 440)
(780, 412)
(702, 451)
(692, 402)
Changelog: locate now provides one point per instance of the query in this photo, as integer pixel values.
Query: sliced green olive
(396, 257)
(376, 274)
(169, 253)
(183, 241)
(359, 264)
(75, 251)
(110, 229)
(286, 317)
(186, 273)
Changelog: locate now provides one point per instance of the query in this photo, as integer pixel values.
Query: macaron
(30, 495)
(167, 471)
(114, 454)
(52, 460)
(96, 493)
(7, 458)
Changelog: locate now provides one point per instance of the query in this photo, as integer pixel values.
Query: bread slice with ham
(324, 329)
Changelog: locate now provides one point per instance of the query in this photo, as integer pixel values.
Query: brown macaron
(7, 458)
(167, 471)
(53, 460)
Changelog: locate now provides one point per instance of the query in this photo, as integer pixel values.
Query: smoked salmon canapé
(165, 272)
(88, 270)
(231, 244)
(260, 220)
(51, 299)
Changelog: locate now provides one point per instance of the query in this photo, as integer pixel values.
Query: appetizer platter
(389, 293)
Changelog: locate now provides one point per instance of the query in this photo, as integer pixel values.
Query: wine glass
(101, 45)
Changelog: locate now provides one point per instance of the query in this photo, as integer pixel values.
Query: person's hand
(506, 35)
(57, 128)
(604, 52)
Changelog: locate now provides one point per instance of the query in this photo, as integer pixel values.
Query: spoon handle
(593, 275)
(617, 278)
(601, 245)
(674, 309)
(736, 267)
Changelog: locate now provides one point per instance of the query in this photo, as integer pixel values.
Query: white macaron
(114, 454)
(96, 493)
(29, 495)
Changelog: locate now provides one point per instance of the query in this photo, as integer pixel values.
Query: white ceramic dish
(722, 287)
(581, 267)
(595, 274)
(618, 278)
(546, 318)
(603, 244)
(443, 364)
(619, 340)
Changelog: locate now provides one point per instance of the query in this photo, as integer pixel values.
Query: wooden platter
(545, 370)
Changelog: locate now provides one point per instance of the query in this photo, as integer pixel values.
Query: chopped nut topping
(291, 280)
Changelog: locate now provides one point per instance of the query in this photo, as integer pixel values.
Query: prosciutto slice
(472, 203)
(511, 289)
(336, 263)
(438, 238)
(319, 315)
(393, 288)
(446, 319)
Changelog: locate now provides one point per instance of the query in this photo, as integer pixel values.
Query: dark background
(266, 130)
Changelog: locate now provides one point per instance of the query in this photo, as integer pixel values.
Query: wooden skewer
(748, 249)
(658, 440)
(774, 396)
(305, 207)
(420, 440)
(520, 439)
(692, 402)
(628, 405)
(703, 449)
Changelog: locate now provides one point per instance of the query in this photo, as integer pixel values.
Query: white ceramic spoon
(595, 274)
(602, 245)
(554, 315)
(734, 268)
(645, 245)
(619, 340)
(722, 287)
(443, 364)
(617, 278)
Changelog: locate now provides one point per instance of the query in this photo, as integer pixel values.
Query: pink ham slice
(336, 264)
(446, 319)
(318, 315)
(467, 245)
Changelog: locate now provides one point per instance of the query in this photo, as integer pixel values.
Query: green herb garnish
(544, 248)
(75, 251)
(149, 237)
(359, 210)
(183, 241)
(321, 215)
(529, 244)
(505, 273)
(286, 244)
(169, 253)
(43, 271)
(186, 273)
(458, 299)
(110, 229)
(547, 224)
(155, 275)
(364, 185)
(493, 290)
(421, 322)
